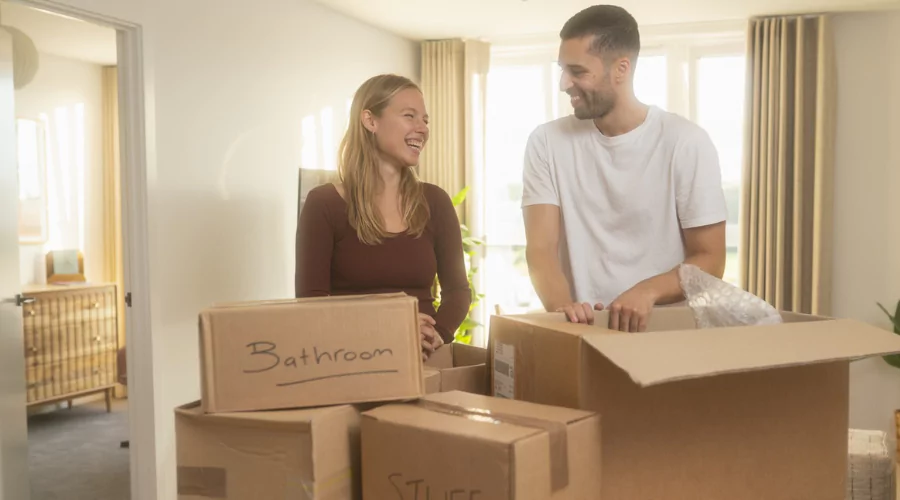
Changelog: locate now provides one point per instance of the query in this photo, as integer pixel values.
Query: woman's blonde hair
(358, 162)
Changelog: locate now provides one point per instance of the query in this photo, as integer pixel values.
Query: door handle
(21, 300)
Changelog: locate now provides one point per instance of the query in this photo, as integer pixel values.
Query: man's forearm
(548, 279)
(667, 286)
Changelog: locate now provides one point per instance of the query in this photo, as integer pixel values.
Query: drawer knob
(33, 349)
(96, 305)
(31, 312)
(97, 339)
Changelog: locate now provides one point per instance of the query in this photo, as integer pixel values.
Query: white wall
(867, 205)
(228, 85)
(63, 84)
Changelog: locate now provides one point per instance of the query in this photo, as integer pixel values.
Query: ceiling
(62, 36)
(496, 20)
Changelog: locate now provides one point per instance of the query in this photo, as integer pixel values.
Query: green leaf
(463, 338)
(886, 311)
(460, 196)
(468, 324)
(895, 318)
(893, 360)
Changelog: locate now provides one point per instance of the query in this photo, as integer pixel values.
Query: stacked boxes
(329, 399)
(283, 387)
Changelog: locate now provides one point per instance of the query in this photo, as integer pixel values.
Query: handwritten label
(264, 356)
(418, 489)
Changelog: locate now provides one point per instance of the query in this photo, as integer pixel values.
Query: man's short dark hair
(614, 30)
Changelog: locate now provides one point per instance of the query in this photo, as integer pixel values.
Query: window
(705, 83)
(519, 98)
(720, 110)
(650, 80)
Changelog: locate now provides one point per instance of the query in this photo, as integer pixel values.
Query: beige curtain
(786, 219)
(454, 80)
(113, 269)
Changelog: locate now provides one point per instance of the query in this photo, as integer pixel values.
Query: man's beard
(594, 106)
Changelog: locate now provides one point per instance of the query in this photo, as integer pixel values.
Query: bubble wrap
(716, 303)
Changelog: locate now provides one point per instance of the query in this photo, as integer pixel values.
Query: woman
(381, 229)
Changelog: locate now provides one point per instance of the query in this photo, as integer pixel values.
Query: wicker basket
(870, 469)
(897, 425)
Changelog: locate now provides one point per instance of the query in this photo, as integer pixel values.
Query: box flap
(420, 417)
(301, 419)
(664, 318)
(468, 355)
(432, 380)
(442, 358)
(660, 357)
(311, 300)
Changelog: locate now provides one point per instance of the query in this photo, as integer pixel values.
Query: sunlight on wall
(329, 151)
(309, 155)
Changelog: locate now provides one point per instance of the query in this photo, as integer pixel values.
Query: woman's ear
(368, 121)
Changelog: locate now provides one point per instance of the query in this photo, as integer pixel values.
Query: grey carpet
(75, 454)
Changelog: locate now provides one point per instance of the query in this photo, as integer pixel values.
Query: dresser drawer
(70, 340)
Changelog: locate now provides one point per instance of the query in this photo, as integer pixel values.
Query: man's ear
(622, 69)
(368, 121)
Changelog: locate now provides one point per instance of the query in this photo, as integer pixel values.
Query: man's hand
(704, 247)
(630, 312)
(578, 312)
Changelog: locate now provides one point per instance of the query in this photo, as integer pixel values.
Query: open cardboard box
(742, 413)
(457, 367)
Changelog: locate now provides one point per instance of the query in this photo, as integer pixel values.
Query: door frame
(133, 140)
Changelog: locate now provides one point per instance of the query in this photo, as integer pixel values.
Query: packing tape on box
(557, 431)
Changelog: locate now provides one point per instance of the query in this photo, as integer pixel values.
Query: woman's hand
(431, 340)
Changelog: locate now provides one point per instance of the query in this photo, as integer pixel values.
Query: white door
(14, 483)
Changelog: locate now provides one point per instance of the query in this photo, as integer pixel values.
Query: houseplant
(470, 243)
(893, 359)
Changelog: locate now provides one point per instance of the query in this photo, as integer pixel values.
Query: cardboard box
(460, 367)
(432, 381)
(311, 352)
(739, 413)
(310, 454)
(462, 446)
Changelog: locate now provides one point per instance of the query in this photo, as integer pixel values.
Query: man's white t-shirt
(623, 200)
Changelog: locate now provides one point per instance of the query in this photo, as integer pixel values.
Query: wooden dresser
(70, 342)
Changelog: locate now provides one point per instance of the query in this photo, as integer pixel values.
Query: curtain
(454, 81)
(113, 268)
(786, 216)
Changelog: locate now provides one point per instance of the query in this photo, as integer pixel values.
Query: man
(619, 195)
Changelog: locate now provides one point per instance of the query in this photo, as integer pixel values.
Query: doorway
(66, 101)
(75, 146)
